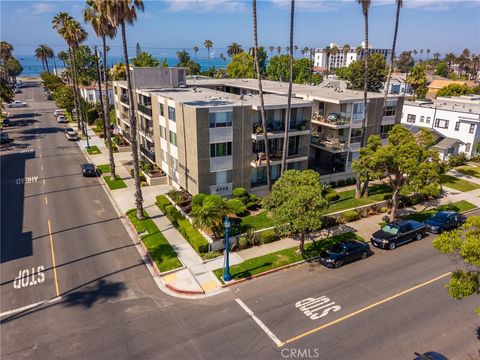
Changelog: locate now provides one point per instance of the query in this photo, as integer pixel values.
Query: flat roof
(310, 92)
(472, 107)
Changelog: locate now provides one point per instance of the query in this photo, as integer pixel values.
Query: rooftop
(458, 104)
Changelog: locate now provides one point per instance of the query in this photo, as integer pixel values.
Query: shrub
(350, 215)
(142, 177)
(162, 203)
(329, 221)
(253, 201)
(363, 212)
(237, 206)
(251, 236)
(242, 242)
(146, 166)
(333, 184)
(176, 196)
(383, 209)
(457, 159)
(332, 196)
(212, 255)
(197, 200)
(341, 183)
(98, 124)
(267, 236)
(239, 192)
(171, 214)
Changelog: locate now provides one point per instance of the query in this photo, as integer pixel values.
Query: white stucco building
(455, 120)
(92, 95)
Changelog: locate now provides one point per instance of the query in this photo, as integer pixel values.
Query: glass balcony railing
(147, 153)
(146, 109)
(337, 119)
(124, 98)
(331, 143)
(276, 127)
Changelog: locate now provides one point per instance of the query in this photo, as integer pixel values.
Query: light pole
(226, 270)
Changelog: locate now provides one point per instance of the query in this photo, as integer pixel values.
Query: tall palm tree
(195, 51)
(295, 48)
(120, 13)
(260, 92)
(6, 50)
(279, 50)
(63, 55)
(40, 55)
(392, 55)
(334, 50)
(428, 52)
(208, 44)
(305, 50)
(234, 49)
(270, 49)
(365, 4)
(289, 97)
(103, 29)
(49, 54)
(222, 57)
(450, 58)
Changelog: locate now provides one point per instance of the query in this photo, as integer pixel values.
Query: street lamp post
(226, 270)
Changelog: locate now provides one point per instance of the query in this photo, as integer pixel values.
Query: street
(73, 286)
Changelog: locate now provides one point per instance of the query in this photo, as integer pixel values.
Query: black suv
(398, 233)
(89, 170)
(344, 252)
(443, 220)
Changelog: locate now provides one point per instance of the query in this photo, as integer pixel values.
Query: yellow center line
(53, 258)
(321, 327)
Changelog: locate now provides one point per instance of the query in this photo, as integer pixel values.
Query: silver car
(17, 103)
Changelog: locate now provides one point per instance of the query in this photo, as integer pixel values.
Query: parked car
(430, 355)
(398, 233)
(89, 170)
(4, 138)
(344, 252)
(7, 122)
(17, 90)
(58, 112)
(71, 136)
(443, 220)
(17, 103)
(61, 119)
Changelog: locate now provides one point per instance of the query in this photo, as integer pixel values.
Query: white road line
(270, 334)
(31, 306)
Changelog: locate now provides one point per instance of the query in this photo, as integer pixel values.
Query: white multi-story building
(92, 95)
(455, 120)
(327, 61)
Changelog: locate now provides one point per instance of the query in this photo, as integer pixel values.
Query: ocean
(33, 67)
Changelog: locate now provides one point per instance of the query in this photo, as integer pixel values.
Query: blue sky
(166, 26)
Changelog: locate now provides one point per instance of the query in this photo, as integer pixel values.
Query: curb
(184, 292)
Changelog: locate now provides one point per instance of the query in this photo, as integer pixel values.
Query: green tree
(6, 93)
(118, 72)
(441, 69)
(164, 63)
(277, 69)
(454, 90)
(211, 213)
(14, 68)
(234, 49)
(208, 45)
(405, 62)
(297, 204)
(64, 97)
(365, 165)
(302, 71)
(343, 72)
(145, 59)
(241, 66)
(6, 50)
(377, 72)
(464, 244)
(185, 61)
(418, 80)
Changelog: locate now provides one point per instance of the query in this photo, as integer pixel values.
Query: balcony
(334, 120)
(148, 131)
(333, 144)
(259, 159)
(146, 109)
(278, 131)
(124, 99)
(126, 135)
(149, 154)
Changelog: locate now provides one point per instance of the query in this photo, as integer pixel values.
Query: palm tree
(450, 58)
(271, 48)
(102, 28)
(436, 56)
(392, 55)
(305, 50)
(260, 92)
(334, 50)
(279, 50)
(120, 13)
(428, 53)
(289, 98)
(40, 55)
(6, 50)
(345, 49)
(295, 48)
(365, 4)
(222, 57)
(208, 44)
(63, 55)
(49, 54)
(234, 49)
(211, 214)
(195, 51)
(415, 52)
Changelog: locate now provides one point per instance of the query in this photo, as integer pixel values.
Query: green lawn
(104, 169)
(114, 184)
(93, 150)
(469, 170)
(282, 257)
(347, 199)
(459, 206)
(158, 247)
(458, 184)
(257, 222)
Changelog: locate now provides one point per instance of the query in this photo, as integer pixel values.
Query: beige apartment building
(206, 134)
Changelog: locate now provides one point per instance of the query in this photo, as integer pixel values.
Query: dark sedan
(398, 233)
(344, 252)
(443, 220)
(89, 170)
(7, 122)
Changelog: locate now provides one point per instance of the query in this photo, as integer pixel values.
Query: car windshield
(440, 217)
(391, 229)
(337, 248)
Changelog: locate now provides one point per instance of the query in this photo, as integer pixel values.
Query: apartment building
(323, 59)
(208, 140)
(455, 121)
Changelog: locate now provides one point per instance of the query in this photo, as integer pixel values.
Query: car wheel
(364, 255)
(419, 236)
(392, 245)
(338, 264)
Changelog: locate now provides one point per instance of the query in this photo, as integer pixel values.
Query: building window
(171, 113)
(173, 138)
(357, 111)
(428, 119)
(411, 118)
(422, 118)
(384, 129)
(390, 108)
(221, 177)
(355, 136)
(457, 126)
(161, 110)
(472, 128)
(220, 119)
(163, 132)
(163, 154)
(440, 123)
(221, 149)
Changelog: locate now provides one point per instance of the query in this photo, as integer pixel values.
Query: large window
(440, 123)
(161, 110)
(221, 177)
(355, 136)
(390, 108)
(173, 138)
(220, 119)
(428, 119)
(221, 149)
(357, 114)
(411, 118)
(171, 113)
(384, 129)
(457, 126)
(163, 132)
(472, 128)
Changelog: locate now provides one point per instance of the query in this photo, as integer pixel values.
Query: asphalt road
(385, 307)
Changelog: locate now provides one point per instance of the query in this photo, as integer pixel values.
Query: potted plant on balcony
(258, 129)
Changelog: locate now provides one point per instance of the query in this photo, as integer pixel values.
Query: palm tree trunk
(133, 129)
(107, 111)
(392, 56)
(80, 113)
(54, 65)
(289, 99)
(75, 95)
(99, 82)
(43, 66)
(46, 62)
(260, 92)
(365, 96)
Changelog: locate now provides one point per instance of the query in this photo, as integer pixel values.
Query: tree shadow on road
(101, 291)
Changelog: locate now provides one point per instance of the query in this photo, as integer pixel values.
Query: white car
(58, 112)
(17, 103)
(61, 119)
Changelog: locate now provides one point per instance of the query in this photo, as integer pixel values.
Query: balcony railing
(147, 153)
(126, 135)
(147, 130)
(336, 143)
(124, 98)
(337, 119)
(146, 109)
(276, 128)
